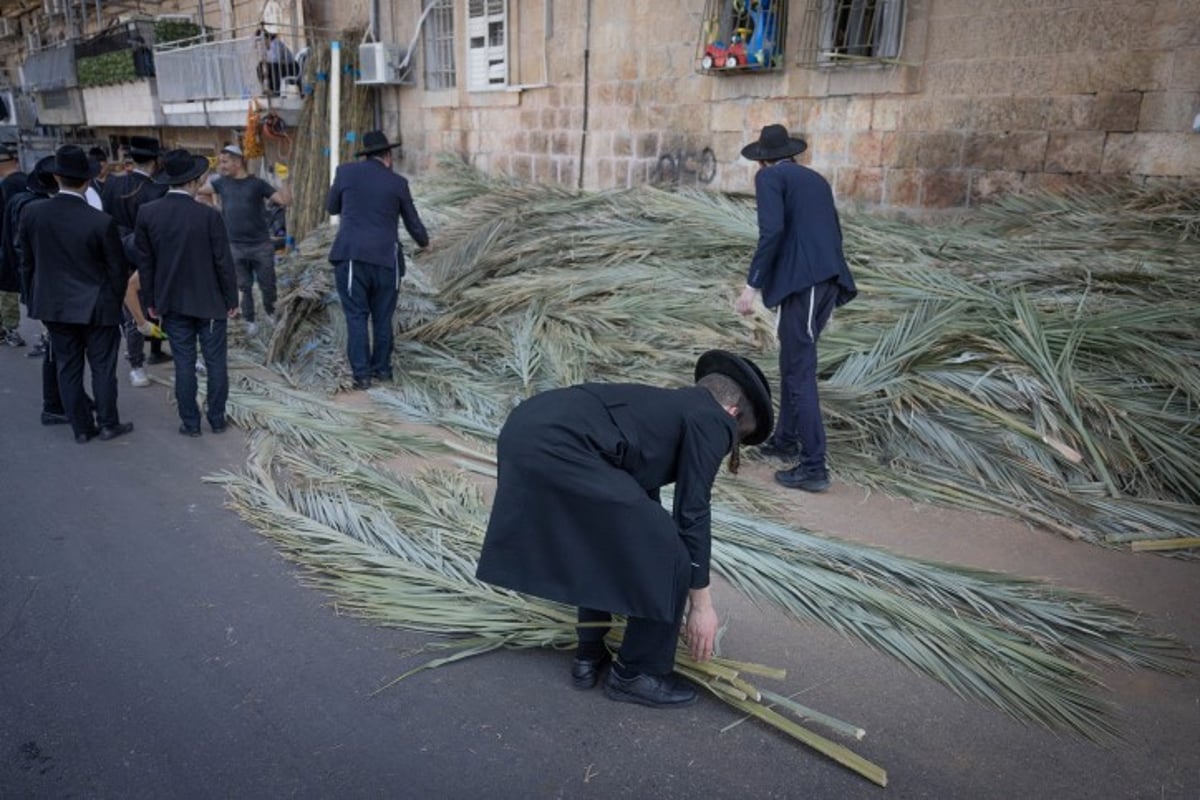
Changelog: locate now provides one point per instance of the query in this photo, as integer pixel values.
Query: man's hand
(233, 312)
(745, 301)
(702, 625)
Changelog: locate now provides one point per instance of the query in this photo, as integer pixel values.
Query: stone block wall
(986, 98)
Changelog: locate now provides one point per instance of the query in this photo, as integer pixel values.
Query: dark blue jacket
(799, 235)
(371, 200)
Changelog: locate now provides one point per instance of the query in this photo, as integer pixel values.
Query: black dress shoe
(158, 358)
(113, 431)
(361, 384)
(769, 449)
(218, 427)
(585, 672)
(86, 436)
(805, 478)
(656, 691)
(50, 418)
(188, 430)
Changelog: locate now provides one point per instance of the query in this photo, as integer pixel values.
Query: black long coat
(576, 516)
(10, 269)
(183, 256)
(123, 195)
(72, 263)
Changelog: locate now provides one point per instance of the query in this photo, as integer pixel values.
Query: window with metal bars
(742, 35)
(487, 44)
(438, 43)
(852, 31)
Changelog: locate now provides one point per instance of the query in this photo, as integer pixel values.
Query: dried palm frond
(977, 368)
(1020, 645)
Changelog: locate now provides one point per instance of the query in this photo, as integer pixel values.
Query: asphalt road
(153, 645)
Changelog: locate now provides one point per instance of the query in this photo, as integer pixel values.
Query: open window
(847, 32)
(742, 36)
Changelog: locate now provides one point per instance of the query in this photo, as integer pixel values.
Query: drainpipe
(335, 110)
(377, 94)
(587, 53)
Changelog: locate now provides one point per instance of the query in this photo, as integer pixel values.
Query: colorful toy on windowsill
(718, 55)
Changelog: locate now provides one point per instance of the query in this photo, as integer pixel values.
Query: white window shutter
(487, 44)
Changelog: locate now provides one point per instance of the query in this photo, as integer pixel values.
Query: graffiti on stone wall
(685, 167)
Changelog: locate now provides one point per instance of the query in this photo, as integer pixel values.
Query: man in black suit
(39, 187)
(12, 182)
(75, 271)
(122, 196)
(186, 269)
(577, 517)
(366, 256)
(798, 266)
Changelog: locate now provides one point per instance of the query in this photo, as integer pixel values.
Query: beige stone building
(905, 103)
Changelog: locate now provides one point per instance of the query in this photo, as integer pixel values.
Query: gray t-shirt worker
(243, 206)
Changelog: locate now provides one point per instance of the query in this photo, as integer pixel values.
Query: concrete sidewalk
(153, 645)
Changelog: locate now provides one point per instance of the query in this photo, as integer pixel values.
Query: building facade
(905, 103)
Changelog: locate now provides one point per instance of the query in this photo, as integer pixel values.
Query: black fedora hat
(774, 143)
(746, 374)
(375, 142)
(40, 179)
(144, 147)
(71, 162)
(180, 167)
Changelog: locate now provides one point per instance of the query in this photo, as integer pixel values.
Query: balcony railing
(229, 68)
(223, 70)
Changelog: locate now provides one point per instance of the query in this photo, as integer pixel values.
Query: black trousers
(99, 347)
(648, 646)
(51, 398)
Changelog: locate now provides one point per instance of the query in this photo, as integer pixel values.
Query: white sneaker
(269, 319)
(200, 367)
(137, 377)
(251, 328)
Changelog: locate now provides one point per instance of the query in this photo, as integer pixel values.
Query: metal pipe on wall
(587, 44)
(335, 111)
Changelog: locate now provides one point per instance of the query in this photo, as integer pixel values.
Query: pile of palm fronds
(995, 366)
(1047, 367)
(402, 550)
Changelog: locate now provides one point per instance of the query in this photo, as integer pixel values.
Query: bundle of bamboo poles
(309, 169)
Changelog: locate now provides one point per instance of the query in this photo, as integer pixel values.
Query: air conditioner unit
(8, 28)
(174, 18)
(379, 65)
